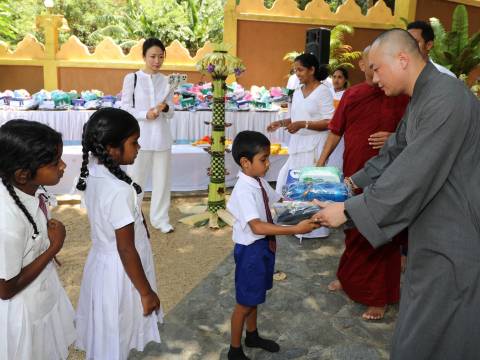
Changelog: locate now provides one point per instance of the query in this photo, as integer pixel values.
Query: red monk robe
(368, 276)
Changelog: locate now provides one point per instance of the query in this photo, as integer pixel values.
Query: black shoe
(253, 340)
(237, 354)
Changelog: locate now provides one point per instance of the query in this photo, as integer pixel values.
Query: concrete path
(307, 320)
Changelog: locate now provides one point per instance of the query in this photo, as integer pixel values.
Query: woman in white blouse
(146, 96)
(311, 110)
(340, 84)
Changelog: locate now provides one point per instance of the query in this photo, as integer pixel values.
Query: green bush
(192, 22)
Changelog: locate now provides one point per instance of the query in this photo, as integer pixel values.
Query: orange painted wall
(21, 77)
(262, 46)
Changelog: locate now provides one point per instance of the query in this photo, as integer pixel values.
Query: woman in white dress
(146, 95)
(340, 84)
(118, 309)
(36, 316)
(311, 110)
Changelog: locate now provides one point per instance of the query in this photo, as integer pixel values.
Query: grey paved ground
(307, 320)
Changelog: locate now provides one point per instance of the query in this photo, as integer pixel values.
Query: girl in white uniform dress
(118, 308)
(36, 316)
(145, 95)
(311, 110)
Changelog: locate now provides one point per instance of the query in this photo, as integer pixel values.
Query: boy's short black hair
(248, 144)
(427, 30)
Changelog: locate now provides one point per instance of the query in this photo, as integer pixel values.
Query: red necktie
(272, 242)
(43, 205)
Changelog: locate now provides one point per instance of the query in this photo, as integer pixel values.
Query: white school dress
(38, 322)
(110, 319)
(306, 145)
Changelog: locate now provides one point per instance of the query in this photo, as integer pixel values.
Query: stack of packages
(56, 100)
(305, 185)
(196, 97)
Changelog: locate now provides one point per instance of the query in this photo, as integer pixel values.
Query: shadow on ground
(307, 320)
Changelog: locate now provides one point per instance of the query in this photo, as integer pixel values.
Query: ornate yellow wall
(72, 66)
(259, 35)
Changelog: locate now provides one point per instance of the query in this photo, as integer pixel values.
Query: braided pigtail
(22, 207)
(82, 184)
(113, 167)
(107, 127)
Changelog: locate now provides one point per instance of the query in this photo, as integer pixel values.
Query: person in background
(311, 111)
(146, 95)
(340, 84)
(423, 33)
(366, 117)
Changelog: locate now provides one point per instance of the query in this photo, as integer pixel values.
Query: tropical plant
(341, 54)
(17, 19)
(475, 86)
(192, 22)
(455, 49)
(7, 31)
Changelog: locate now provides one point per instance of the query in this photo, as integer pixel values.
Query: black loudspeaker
(318, 44)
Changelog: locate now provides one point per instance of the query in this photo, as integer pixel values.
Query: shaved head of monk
(396, 62)
(365, 67)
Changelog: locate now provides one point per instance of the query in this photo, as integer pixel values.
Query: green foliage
(7, 31)
(17, 19)
(455, 49)
(192, 22)
(341, 54)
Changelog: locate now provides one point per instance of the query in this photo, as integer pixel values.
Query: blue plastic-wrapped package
(329, 174)
(292, 212)
(301, 191)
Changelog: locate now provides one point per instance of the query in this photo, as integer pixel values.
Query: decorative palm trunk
(219, 65)
(216, 188)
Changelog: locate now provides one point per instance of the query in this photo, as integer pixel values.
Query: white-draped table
(185, 125)
(189, 164)
(189, 169)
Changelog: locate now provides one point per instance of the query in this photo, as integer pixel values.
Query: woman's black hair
(309, 61)
(26, 145)
(151, 42)
(248, 144)
(344, 73)
(107, 127)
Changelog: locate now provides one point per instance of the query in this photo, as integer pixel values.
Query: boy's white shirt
(245, 204)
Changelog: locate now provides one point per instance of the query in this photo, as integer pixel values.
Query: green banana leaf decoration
(219, 65)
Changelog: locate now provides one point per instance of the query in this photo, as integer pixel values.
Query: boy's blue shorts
(253, 272)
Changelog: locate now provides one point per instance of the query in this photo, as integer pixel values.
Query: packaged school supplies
(321, 174)
(323, 191)
(292, 212)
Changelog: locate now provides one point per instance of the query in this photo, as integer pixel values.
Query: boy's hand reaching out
(306, 226)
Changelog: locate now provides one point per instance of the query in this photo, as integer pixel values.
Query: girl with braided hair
(118, 309)
(36, 316)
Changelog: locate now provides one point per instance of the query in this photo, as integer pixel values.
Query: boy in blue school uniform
(254, 236)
